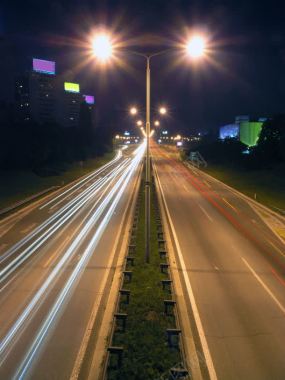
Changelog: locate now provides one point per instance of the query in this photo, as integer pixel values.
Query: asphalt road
(55, 256)
(233, 268)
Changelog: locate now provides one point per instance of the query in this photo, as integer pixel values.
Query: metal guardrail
(26, 200)
(197, 159)
(125, 273)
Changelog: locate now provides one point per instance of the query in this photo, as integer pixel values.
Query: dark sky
(244, 73)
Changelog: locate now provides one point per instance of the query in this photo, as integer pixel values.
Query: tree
(271, 144)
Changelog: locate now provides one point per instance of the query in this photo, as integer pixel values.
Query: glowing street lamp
(162, 110)
(195, 47)
(133, 111)
(156, 123)
(139, 123)
(102, 47)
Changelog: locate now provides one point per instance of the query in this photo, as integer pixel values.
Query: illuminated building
(69, 104)
(249, 132)
(35, 93)
(229, 131)
(89, 100)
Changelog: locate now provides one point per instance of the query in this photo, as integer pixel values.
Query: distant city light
(43, 66)
(102, 47)
(139, 123)
(127, 133)
(164, 132)
(156, 123)
(71, 87)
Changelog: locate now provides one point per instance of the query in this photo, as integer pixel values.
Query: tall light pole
(147, 179)
(102, 49)
(148, 58)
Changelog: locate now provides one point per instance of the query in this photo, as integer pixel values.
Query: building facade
(35, 93)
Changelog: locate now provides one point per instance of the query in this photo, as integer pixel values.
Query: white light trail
(36, 301)
(31, 235)
(123, 182)
(81, 183)
(77, 203)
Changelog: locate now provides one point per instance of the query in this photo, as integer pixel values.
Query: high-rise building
(35, 93)
(68, 105)
(89, 100)
(22, 98)
(41, 97)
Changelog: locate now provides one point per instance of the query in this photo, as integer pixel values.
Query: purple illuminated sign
(89, 99)
(42, 66)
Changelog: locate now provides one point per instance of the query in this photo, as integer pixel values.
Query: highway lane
(233, 270)
(52, 275)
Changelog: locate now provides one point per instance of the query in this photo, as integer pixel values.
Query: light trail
(24, 255)
(75, 276)
(84, 180)
(40, 295)
(30, 236)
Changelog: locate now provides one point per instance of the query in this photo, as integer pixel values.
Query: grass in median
(18, 185)
(146, 353)
(268, 185)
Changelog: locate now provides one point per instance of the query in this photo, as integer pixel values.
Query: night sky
(245, 72)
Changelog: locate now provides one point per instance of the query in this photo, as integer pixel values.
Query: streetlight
(139, 123)
(102, 48)
(133, 111)
(156, 123)
(196, 46)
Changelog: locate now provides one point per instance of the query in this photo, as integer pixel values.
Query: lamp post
(102, 49)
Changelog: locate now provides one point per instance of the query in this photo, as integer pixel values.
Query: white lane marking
(207, 183)
(229, 204)
(185, 188)
(8, 283)
(265, 287)
(29, 228)
(205, 212)
(207, 354)
(50, 259)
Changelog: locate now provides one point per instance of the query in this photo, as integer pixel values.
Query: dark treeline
(46, 148)
(269, 151)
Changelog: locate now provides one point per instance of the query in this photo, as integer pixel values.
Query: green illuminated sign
(71, 87)
(249, 132)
